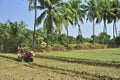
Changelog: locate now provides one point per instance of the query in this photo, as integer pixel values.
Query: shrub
(97, 46)
(10, 46)
(90, 46)
(68, 47)
(117, 41)
(58, 47)
(36, 48)
(85, 46)
(78, 47)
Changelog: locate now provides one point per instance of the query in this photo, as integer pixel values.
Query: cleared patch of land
(57, 66)
(13, 70)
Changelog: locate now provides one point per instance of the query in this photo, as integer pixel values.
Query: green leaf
(41, 17)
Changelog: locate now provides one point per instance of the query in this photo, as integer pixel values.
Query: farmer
(20, 53)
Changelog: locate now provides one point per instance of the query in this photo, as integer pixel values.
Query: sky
(17, 10)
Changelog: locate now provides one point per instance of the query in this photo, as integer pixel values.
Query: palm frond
(57, 19)
(41, 17)
(41, 2)
(48, 4)
(64, 21)
(47, 24)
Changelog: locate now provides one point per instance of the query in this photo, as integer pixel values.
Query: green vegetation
(13, 34)
(102, 55)
(16, 33)
(117, 41)
(56, 14)
(59, 12)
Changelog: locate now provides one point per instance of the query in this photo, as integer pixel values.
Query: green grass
(103, 55)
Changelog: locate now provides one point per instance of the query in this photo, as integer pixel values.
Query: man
(20, 53)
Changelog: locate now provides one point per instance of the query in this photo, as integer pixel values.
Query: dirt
(34, 71)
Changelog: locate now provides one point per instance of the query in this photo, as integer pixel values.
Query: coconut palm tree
(93, 13)
(50, 15)
(78, 12)
(106, 10)
(116, 6)
(33, 4)
(67, 17)
(114, 18)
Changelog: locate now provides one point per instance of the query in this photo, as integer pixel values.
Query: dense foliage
(13, 34)
(117, 41)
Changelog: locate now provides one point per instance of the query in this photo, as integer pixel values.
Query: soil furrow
(94, 76)
(82, 61)
(83, 74)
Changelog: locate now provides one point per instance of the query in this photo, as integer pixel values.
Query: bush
(117, 41)
(97, 46)
(90, 46)
(58, 47)
(78, 47)
(10, 46)
(49, 48)
(68, 47)
(36, 48)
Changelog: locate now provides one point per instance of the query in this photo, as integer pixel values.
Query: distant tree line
(13, 34)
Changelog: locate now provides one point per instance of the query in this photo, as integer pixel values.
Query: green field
(71, 65)
(104, 55)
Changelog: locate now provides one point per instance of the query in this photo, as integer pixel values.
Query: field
(98, 64)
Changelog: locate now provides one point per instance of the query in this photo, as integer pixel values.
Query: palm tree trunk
(35, 23)
(114, 31)
(105, 28)
(79, 32)
(49, 31)
(47, 41)
(115, 28)
(93, 32)
(67, 35)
